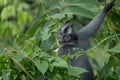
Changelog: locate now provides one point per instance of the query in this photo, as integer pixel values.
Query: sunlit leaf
(8, 12)
(3, 2)
(23, 17)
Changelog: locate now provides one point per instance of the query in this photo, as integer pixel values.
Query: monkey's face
(63, 37)
(64, 33)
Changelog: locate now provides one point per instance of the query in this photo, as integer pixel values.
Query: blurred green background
(28, 39)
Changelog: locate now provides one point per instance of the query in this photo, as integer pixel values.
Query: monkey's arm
(90, 29)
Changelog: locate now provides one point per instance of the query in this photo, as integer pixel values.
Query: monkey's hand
(109, 6)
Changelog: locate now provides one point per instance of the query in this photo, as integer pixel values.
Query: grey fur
(79, 40)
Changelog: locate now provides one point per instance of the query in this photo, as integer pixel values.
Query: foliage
(27, 39)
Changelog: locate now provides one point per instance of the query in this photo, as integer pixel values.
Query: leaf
(42, 66)
(81, 1)
(80, 7)
(3, 2)
(117, 62)
(23, 77)
(8, 11)
(60, 63)
(5, 75)
(58, 16)
(115, 49)
(78, 11)
(75, 71)
(46, 33)
(20, 56)
(32, 40)
(20, 39)
(23, 16)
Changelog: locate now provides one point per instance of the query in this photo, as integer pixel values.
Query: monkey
(69, 38)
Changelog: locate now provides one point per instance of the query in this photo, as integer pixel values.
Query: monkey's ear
(68, 28)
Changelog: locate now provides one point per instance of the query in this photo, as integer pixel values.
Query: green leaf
(46, 33)
(80, 7)
(60, 63)
(42, 66)
(5, 75)
(3, 2)
(32, 40)
(23, 16)
(81, 1)
(8, 11)
(20, 56)
(75, 71)
(23, 77)
(20, 39)
(115, 49)
(78, 11)
(58, 16)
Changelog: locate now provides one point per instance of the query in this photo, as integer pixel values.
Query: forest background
(28, 39)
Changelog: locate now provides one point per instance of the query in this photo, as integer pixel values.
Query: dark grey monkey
(70, 39)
